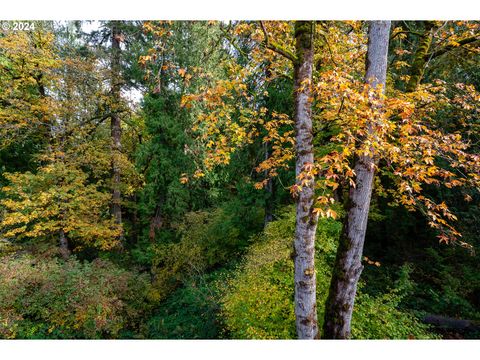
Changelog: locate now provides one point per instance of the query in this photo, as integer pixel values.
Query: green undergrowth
(258, 295)
(47, 298)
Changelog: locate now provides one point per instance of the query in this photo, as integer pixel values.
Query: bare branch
(447, 48)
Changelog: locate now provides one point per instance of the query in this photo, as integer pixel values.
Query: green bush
(258, 300)
(190, 312)
(447, 283)
(380, 317)
(47, 298)
(8, 247)
(207, 239)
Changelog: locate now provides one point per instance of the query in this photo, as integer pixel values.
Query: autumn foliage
(153, 178)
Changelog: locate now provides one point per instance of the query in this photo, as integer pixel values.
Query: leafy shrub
(206, 240)
(379, 317)
(8, 247)
(190, 312)
(57, 197)
(447, 283)
(48, 298)
(258, 300)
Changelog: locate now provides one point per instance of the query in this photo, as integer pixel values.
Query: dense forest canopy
(239, 180)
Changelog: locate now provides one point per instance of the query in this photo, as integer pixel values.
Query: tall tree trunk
(420, 57)
(63, 240)
(269, 189)
(156, 222)
(64, 250)
(348, 266)
(306, 220)
(116, 130)
(58, 130)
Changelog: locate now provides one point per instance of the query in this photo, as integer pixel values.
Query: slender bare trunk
(63, 241)
(116, 130)
(156, 222)
(348, 266)
(64, 250)
(269, 189)
(306, 220)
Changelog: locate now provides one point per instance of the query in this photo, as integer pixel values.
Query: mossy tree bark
(348, 266)
(306, 220)
(420, 58)
(425, 52)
